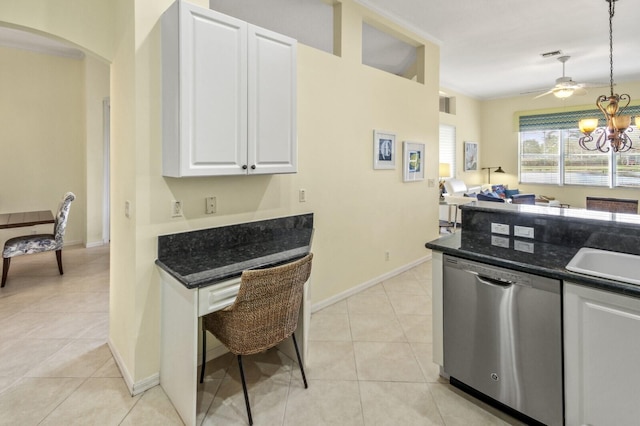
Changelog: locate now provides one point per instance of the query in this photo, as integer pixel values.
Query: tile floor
(369, 360)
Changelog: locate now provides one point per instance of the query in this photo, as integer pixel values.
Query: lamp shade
(444, 170)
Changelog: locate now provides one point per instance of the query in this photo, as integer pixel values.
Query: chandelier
(614, 136)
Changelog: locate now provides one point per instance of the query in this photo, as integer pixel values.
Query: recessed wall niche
(383, 50)
(308, 21)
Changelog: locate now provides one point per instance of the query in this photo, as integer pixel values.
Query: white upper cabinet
(229, 96)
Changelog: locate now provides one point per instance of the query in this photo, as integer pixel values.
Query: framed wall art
(470, 156)
(413, 165)
(384, 150)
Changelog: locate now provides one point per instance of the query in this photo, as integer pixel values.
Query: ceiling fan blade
(544, 94)
(580, 91)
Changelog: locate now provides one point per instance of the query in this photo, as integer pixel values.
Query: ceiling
(489, 48)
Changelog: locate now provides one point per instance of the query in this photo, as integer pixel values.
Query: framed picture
(413, 161)
(470, 156)
(384, 150)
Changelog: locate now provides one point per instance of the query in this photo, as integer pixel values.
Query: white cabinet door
(272, 102)
(229, 95)
(602, 349)
(204, 92)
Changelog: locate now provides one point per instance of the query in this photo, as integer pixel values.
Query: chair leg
(295, 345)
(204, 353)
(244, 388)
(5, 269)
(59, 258)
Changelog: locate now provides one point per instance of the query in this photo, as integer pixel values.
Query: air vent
(550, 54)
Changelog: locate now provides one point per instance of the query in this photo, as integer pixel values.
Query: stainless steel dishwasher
(503, 336)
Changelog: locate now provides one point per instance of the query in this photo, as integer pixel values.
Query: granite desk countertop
(205, 257)
(547, 260)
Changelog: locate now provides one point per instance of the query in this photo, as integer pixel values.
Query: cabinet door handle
(253, 167)
(244, 167)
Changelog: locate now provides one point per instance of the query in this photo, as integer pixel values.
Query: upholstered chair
(264, 314)
(38, 243)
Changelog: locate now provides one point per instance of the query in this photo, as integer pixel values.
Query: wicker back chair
(264, 314)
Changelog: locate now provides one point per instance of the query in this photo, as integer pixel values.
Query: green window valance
(567, 120)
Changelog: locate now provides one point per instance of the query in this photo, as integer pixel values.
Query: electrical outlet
(176, 208)
(127, 208)
(387, 255)
(523, 231)
(302, 196)
(210, 205)
(431, 183)
(500, 228)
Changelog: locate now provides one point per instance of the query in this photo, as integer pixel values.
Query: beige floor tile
(417, 328)
(217, 367)
(335, 308)
(21, 323)
(393, 362)
(74, 302)
(18, 356)
(108, 369)
(98, 401)
(32, 399)
(410, 304)
(7, 382)
(387, 403)
(424, 355)
(331, 361)
(458, 408)
(59, 325)
(330, 327)
(376, 328)
(405, 283)
(79, 358)
(268, 377)
(206, 392)
(325, 402)
(369, 303)
(152, 409)
(97, 327)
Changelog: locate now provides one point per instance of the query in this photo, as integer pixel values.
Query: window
(447, 143)
(550, 154)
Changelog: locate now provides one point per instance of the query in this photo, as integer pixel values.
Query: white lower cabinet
(602, 352)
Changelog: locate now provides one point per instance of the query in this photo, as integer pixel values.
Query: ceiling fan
(565, 86)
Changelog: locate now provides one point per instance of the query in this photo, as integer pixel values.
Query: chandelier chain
(611, 13)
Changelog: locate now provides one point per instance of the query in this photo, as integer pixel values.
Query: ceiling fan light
(563, 93)
(637, 120)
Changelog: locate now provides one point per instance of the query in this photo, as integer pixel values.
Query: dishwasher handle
(494, 282)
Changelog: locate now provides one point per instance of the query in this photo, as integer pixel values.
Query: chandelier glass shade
(614, 135)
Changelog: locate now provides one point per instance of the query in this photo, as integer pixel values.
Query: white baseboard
(365, 285)
(94, 244)
(134, 388)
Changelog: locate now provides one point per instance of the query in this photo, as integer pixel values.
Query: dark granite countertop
(205, 257)
(547, 260)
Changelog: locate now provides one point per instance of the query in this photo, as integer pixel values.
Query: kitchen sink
(606, 264)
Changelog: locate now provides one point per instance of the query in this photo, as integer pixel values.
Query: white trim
(95, 244)
(365, 285)
(134, 388)
(400, 21)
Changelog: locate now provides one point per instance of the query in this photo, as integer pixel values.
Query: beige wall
(42, 134)
(499, 144)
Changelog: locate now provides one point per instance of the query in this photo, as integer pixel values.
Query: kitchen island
(200, 273)
(600, 315)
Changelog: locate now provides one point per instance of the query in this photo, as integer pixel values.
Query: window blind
(447, 143)
(566, 120)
